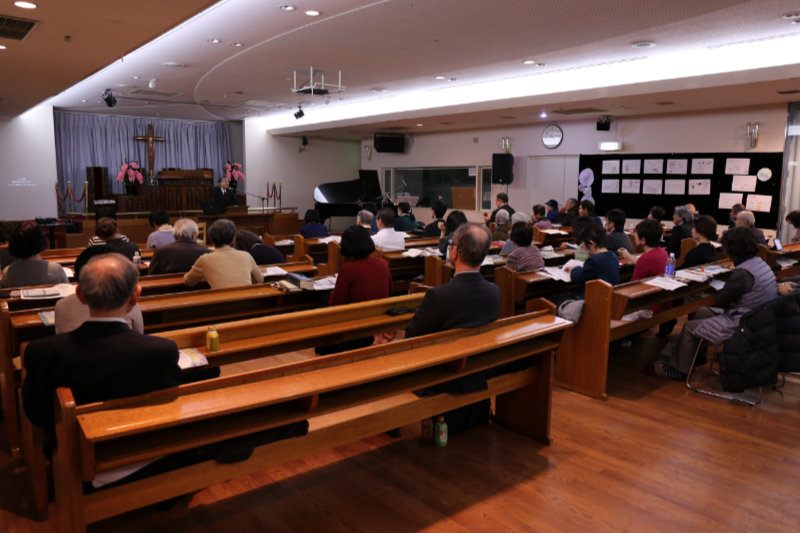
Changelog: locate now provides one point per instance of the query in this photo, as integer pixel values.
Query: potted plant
(233, 173)
(129, 174)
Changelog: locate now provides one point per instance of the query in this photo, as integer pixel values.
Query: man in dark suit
(502, 203)
(468, 301)
(222, 196)
(683, 221)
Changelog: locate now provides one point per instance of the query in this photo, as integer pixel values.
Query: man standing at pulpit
(222, 196)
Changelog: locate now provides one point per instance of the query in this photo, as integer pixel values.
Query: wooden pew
(541, 238)
(687, 245)
(790, 251)
(286, 250)
(91, 440)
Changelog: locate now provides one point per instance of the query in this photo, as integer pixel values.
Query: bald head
(472, 242)
(107, 282)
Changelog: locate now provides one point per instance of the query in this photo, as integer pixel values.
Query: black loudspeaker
(603, 125)
(502, 168)
(394, 143)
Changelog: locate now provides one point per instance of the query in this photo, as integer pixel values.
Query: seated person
(362, 278)
(438, 211)
(552, 211)
(617, 239)
(657, 213)
(5, 236)
(387, 239)
(502, 204)
(27, 242)
(181, 255)
(539, 218)
(163, 230)
(601, 264)
(104, 212)
(586, 209)
(683, 220)
(247, 241)
(71, 313)
(469, 300)
(454, 220)
(750, 285)
(693, 209)
(373, 208)
(106, 230)
(526, 256)
(225, 266)
(746, 219)
(735, 210)
(579, 224)
(503, 226)
(653, 262)
(568, 212)
(312, 228)
(223, 196)
(365, 219)
(704, 231)
(509, 245)
(793, 219)
(405, 222)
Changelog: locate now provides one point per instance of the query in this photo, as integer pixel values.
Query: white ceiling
(400, 45)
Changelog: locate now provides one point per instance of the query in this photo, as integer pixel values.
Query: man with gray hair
(502, 226)
(364, 219)
(746, 219)
(226, 267)
(683, 221)
(180, 255)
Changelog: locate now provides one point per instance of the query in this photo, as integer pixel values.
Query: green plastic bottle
(440, 433)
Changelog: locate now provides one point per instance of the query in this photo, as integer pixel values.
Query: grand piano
(347, 198)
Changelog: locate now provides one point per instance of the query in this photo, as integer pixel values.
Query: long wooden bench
(790, 251)
(91, 439)
(542, 238)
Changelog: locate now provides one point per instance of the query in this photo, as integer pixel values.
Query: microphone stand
(262, 200)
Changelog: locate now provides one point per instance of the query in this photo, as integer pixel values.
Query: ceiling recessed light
(643, 44)
(440, 78)
(25, 5)
(543, 114)
(379, 90)
(237, 44)
(213, 41)
(173, 64)
(312, 13)
(791, 16)
(84, 101)
(287, 8)
(126, 86)
(796, 21)
(2, 47)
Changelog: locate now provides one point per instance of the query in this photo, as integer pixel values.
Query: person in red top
(361, 279)
(653, 262)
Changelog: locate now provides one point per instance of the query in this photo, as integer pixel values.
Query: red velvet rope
(78, 200)
(275, 192)
(66, 194)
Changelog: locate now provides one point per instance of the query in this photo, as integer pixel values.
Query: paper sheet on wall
(675, 187)
(653, 166)
(632, 166)
(631, 186)
(702, 166)
(677, 166)
(744, 183)
(610, 186)
(611, 167)
(757, 202)
(652, 187)
(729, 199)
(697, 187)
(739, 167)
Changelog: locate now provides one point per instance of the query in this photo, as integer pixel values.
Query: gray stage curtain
(99, 141)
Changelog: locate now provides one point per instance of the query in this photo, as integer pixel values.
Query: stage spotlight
(299, 113)
(109, 99)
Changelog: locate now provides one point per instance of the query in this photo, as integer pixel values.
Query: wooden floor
(654, 457)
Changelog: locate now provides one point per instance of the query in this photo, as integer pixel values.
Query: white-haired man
(180, 255)
(746, 219)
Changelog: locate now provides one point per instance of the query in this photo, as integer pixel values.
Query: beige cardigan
(225, 267)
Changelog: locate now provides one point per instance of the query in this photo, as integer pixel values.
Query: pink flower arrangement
(233, 170)
(129, 172)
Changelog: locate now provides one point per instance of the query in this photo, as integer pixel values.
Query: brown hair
(106, 228)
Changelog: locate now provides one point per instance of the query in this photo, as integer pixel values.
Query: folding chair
(705, 344)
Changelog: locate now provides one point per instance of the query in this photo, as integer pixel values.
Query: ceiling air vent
(578, 111)
(793, 91)
(15, 29)
(160, 94)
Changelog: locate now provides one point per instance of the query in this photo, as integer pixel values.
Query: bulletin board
(710, 181)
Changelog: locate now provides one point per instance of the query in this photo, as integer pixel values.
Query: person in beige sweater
(225, 267)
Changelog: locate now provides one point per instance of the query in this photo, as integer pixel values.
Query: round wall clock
(552, 136)
(764, 174)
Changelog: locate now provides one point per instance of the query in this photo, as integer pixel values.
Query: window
(433, 182)
(486, 188)
(387, 182)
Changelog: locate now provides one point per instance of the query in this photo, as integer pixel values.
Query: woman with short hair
(106, 230)
(247, 241)
(793, 218)
(225, 266)
(27, 242)
(527, 255)
(313, 229)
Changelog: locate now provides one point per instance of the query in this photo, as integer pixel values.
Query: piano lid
(367, 188)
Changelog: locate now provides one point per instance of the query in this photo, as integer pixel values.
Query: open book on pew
(274, 271)
(785, 262)
(304, 282)
(493, 260)
(332, 238)
(190, 358)
(556, 274)
(424, 252)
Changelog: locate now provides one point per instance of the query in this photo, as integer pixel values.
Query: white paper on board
(652, 187)
(744, 183)
(611, 167)
(677, 166)
(610, 186)
(740, 167)
(729, 199)
(760, 203)
(631, 186)
(675, 187)
(653, 166)
(632, 166)
(702, 166)
(697, 187)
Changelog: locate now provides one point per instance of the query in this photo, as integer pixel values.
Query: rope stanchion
(59, 196)
(78, 200)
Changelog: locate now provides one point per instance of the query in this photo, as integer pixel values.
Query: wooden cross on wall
(150, 141)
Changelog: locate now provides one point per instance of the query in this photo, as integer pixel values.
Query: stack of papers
(69, 272)
(324, 284)
(432, 251)
(284, 242)
(275, 271)
(556, 274)
(548, 249)
(786, 262)
(668, 284)
(332, 238)
(554, 232)
(190, 358)
(414, 252)
(551, 255)
(58, 291)
(685, 275)
(48, 317)
(717, 284)
(572, 246)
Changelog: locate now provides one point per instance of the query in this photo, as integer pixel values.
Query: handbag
(571, 310)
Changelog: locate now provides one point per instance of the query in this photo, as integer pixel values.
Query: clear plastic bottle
(137, 260)
(670, 270)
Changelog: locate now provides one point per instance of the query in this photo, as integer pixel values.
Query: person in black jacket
(222, 196)
(438, 209)
(106, 229)
(502, 203)
(683, 220)
(568, 213)
(247, 241)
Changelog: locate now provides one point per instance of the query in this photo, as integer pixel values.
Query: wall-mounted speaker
(390, 143)
(502, 168)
